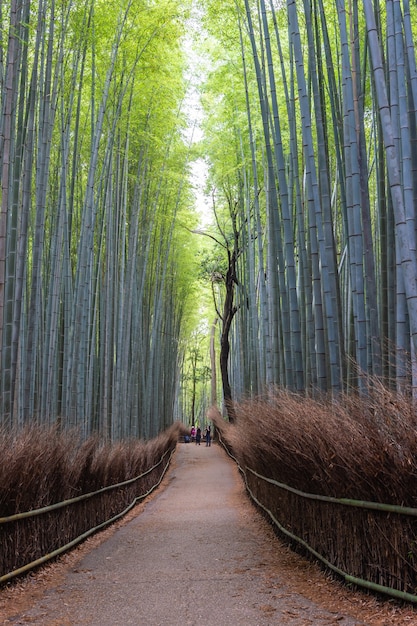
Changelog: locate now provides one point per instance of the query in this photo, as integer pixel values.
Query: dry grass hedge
(44, 466)
(355, 448)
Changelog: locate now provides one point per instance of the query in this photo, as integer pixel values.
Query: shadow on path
(198, 553)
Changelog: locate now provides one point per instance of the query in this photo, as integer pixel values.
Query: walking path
(198, 553)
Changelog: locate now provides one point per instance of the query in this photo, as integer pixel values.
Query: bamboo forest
(202, 202)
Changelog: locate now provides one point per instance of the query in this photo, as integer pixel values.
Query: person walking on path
(198, 436)
(208, 436)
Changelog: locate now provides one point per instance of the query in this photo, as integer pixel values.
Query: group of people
(196, 435)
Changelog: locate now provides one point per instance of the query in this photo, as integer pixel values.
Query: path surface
(198, 553)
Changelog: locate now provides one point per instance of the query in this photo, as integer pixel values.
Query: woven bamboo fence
(369, 544)
(31, 538)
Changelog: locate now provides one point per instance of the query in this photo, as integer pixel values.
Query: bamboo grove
(316, 103)
(95, 264)
(310, 139)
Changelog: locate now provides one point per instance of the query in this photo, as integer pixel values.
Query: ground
(294, 590)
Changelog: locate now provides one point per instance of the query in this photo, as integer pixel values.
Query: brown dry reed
(355, 447)
(43, 466)
(360, 448)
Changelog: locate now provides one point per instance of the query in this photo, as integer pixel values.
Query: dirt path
(197, 553)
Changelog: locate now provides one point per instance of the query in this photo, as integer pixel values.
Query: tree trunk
(229, 311)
